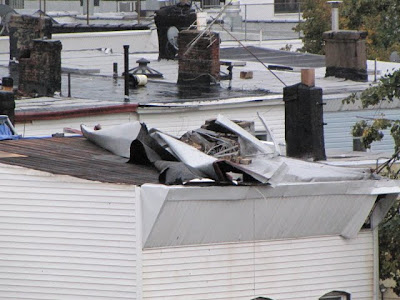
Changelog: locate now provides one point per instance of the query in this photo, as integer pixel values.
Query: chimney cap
(335, 4)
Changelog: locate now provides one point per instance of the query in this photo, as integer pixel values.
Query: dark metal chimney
(304, 130)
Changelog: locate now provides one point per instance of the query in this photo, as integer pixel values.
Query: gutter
(23, 117)
(155, 107)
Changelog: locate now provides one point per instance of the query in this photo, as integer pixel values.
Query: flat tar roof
(74, 156)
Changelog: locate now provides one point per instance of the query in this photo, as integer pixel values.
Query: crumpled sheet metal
(252, 140)
(145, 150)
(198, 162)
(283, 170)
(179, 162)
(116, 139)
(274, 143)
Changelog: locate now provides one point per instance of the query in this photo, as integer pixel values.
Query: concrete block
(246, 75)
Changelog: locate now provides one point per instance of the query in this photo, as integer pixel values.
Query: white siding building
(173, 118)
(303, 268)
(66, 238)
(83, 226)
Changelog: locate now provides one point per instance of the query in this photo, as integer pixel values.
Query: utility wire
(198, 37)
(248, 50)
(208, 27)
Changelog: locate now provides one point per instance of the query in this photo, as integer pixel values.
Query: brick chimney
(40, 69)
(198, 62)
(346, 54)
(345, 50)
(24, 29)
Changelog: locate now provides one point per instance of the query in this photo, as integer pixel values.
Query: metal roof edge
(102, 34)
(353, 187)
(21, 117)
(267, 100)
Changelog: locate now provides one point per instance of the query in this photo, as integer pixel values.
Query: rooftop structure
(81, 222)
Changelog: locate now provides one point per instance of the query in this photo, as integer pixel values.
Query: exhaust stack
(335, 14)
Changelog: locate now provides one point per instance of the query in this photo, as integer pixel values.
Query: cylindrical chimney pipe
(126, 72)
(335, 14)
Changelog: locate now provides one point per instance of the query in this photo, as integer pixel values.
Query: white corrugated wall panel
(283, 269)
(65, 238)
(338, 128)
(179, 121)
(40, 128)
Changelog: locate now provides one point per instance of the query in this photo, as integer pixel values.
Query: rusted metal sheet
(75, 156)
(22, 116)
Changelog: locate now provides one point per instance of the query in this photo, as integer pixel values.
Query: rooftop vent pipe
(335, 14)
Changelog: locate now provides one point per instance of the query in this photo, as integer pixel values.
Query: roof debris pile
(219, 142)
(222, 151)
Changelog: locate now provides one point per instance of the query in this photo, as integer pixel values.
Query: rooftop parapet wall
(346, 55)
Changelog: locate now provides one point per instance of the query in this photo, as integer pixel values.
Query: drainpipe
(126, 72)
(375, 243)
(335, 14)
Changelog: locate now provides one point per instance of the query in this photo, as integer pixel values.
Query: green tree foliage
(389, 244)
(387, 90)
(380, 18)
(316, 14)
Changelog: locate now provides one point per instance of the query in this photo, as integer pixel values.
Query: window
(336, 295)
(287, 6)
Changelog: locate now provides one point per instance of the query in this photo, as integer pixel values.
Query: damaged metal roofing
(220, 151)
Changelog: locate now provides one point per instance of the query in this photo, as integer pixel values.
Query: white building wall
(175, 121)
(255, 10)
(138, 40)
(338, 129)
(283, 269)
(39, 128)
(73, 6)
(65, 238)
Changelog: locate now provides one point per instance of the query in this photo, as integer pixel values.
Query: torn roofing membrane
(226, 154)
(116, 139)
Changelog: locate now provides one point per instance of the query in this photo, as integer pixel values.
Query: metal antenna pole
(198, 37)
(126, 72)
(248, 50)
